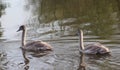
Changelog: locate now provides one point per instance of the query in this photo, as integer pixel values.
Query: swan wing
(96, 48)
(38, 46)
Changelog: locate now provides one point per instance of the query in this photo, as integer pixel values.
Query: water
(56, 22)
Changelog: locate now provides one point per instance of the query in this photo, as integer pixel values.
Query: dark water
(56, 22)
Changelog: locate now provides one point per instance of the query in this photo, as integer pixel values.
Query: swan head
(22, 27)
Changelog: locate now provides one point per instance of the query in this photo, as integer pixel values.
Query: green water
(56, 22)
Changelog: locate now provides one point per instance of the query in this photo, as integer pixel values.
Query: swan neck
(23, 37)
(81, 40)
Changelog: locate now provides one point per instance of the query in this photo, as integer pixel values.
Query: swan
(95, 48)
(36, 46)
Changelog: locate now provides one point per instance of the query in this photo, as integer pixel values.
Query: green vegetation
(2, 8)
(101, 14)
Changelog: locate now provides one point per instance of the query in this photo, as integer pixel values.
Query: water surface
(56, 22)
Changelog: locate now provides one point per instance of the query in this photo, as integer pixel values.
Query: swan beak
(21, 28)
(18, 30)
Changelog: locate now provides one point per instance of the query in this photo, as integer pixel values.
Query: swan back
(96, 48)
(38, 46)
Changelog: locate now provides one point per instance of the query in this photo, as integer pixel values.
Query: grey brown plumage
(95, 48)
(35, 45)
